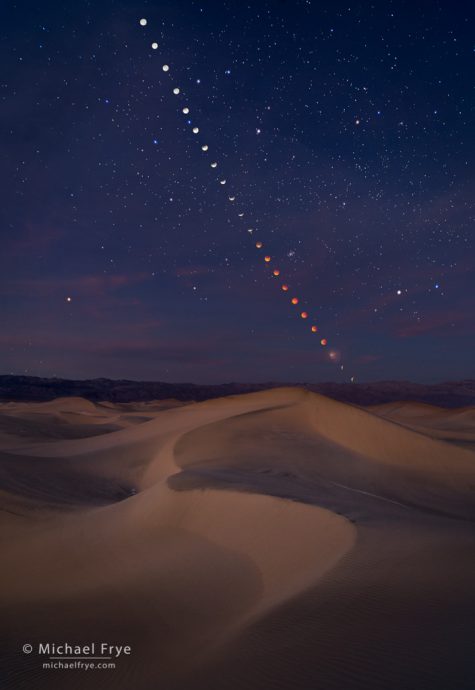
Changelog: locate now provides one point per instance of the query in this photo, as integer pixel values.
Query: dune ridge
(252, 541)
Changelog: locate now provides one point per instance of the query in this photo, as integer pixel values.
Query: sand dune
(69, 418)
(455, 426)
(271, 540)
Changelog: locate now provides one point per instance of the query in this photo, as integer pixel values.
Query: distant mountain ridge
(33, 388)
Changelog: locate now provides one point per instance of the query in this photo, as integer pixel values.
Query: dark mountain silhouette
(32, 388)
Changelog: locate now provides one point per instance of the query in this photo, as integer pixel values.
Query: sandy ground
(273, 540)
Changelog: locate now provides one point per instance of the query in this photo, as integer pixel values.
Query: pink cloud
(88, 285)
(35, 237)
(368, 359)
(445, 323)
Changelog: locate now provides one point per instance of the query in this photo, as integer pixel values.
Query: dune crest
(211, 535)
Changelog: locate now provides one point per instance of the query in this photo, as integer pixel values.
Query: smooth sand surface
(273, 540)
(455, 426)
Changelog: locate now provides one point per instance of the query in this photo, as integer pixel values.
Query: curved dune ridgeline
(278, 539)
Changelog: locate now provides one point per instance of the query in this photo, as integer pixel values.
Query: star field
(345, 133)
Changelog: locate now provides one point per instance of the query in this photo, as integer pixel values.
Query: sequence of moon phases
(259, 245)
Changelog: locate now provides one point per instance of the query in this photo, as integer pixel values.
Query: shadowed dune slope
(455, 426)
(319, 439)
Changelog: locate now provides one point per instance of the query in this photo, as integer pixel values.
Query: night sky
(346, 132)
